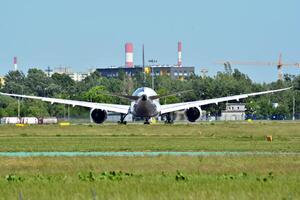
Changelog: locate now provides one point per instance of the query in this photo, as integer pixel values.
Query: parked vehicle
(10, 120)
(48, 120)
(29, 120)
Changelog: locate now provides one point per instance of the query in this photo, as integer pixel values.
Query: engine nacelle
(193, 114)
(98, 116)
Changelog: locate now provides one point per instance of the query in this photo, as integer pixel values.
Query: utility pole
(68, 112)
(19, 105)
(48, 70)
(19, 108)
(294, 102)
(64, 112)
(144, 65)
(152, 70)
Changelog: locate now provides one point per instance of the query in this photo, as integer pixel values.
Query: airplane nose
(144, 97)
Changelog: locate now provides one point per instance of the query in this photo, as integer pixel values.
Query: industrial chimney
(179, 54)
(15, 63)
(128, 55)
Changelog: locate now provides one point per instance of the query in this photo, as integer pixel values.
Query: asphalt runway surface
(135, 154)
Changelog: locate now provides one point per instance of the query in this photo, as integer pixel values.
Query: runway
(136, 154)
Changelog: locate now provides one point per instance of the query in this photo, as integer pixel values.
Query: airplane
(144, 104)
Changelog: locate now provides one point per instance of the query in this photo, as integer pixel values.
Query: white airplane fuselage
(144, 106)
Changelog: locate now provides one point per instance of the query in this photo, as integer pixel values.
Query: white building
(233, 112)
(76, 76)
(1, 81)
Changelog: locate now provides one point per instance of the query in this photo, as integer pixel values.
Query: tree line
(95, 88)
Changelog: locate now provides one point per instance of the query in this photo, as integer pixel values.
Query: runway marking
(133, 154)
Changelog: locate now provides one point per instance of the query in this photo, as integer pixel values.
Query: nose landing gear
(147, 121)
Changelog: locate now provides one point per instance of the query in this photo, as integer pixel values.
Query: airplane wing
(103, 106)
(182, 106)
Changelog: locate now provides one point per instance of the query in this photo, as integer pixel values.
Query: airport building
(174, 72)
(76, 76)
(234, 111)
(129, 69)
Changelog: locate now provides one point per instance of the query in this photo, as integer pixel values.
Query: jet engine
(98, 116)
(193, 113)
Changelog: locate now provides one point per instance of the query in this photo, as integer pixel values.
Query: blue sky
(84, 34)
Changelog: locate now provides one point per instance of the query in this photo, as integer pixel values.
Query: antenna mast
(144, 65)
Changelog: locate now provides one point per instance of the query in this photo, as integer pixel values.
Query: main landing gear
(122, 119)
(169, 119)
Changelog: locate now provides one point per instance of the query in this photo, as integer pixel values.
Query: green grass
(215, 177)
(199, 137)
(152, 178)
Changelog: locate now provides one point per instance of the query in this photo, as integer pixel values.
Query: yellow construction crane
(278, 64)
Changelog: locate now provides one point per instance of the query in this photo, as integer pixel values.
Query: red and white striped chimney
(128, 54)
(179, 54)
(15, 63)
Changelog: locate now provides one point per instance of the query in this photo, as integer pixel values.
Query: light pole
(19, 108)
(152, 71)
(68, 112)
(19, 105)
(294, 102)
(45, 92)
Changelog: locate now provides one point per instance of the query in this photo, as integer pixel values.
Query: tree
(296, 83)
(90, 81)
(14, 82)
(98, 94)
(11, 109)
(138, 80)
(264, 108)
(167, 100)
(34, 108)
(36, 82)
(64, 82)
(121, 75)
(4, 103)
(96, 88)
(281, 111)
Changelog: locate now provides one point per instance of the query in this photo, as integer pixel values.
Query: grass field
(203, 137)
(162, 177)
(151, 178)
